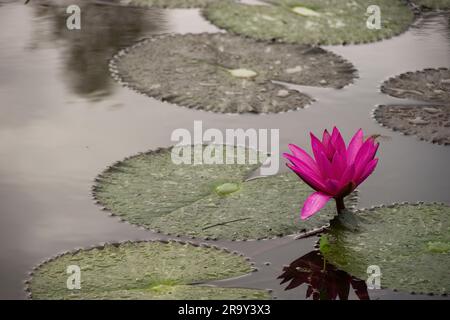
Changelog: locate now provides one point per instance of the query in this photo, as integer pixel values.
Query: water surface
(63, 120)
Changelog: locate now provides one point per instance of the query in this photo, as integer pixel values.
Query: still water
(63, 120)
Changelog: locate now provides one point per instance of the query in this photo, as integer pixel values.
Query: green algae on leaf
(228, 74)
(409, 242)
(144, 270)
(205, 201)
(433, 4)
(173, 4)
(310, 21)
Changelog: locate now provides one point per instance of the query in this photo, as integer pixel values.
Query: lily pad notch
(228, 74)
(206, 201)
(144, 270)
(413, 252)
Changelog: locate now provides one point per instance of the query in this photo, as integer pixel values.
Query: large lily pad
(433, 4)
(173, 3)
(143, 270)
(410, 243)
(311, 21)
(205, 201)
(225, 73)
(429, 123)
(430, 85)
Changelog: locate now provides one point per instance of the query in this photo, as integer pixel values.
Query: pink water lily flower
(336, 170)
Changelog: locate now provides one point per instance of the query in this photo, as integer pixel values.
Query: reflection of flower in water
(105, 29)
(325, 281)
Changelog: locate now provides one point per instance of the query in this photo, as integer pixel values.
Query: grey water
(63, 120)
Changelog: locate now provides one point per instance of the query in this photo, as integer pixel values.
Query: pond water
(63, 120)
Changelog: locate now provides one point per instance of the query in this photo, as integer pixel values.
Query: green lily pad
(409, 242)
(181, 4)
(430, 85)
(433, 4)
(206, 201)
(428, 122)
(143, 270)
(229, 74)
(310, 21)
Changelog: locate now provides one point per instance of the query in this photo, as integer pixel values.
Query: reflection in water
(104, 31)
(324, 281)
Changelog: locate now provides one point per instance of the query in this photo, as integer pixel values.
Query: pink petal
(354, 146)
(326, 138)
(347, 176)
(333, 187)
(337, 141)
(365, 154)
(324, 165)
(368, 170)
(303, 166)
(311, 180)
(317, 146)
(303, 156)
(339, 164)
(313, 204)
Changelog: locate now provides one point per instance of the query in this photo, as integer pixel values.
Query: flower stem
(340, 206)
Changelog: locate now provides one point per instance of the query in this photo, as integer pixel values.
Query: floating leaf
(408, 242)
(143, 270)
(229, 74)
(311, 21)
(206, 201)
(430, 85)
(429, 123)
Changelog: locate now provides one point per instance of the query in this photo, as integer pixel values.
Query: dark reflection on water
(324, 281)
(105, 29)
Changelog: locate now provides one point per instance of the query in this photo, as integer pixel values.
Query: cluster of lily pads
(233, 74)
(410, 242)
(430, 121)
